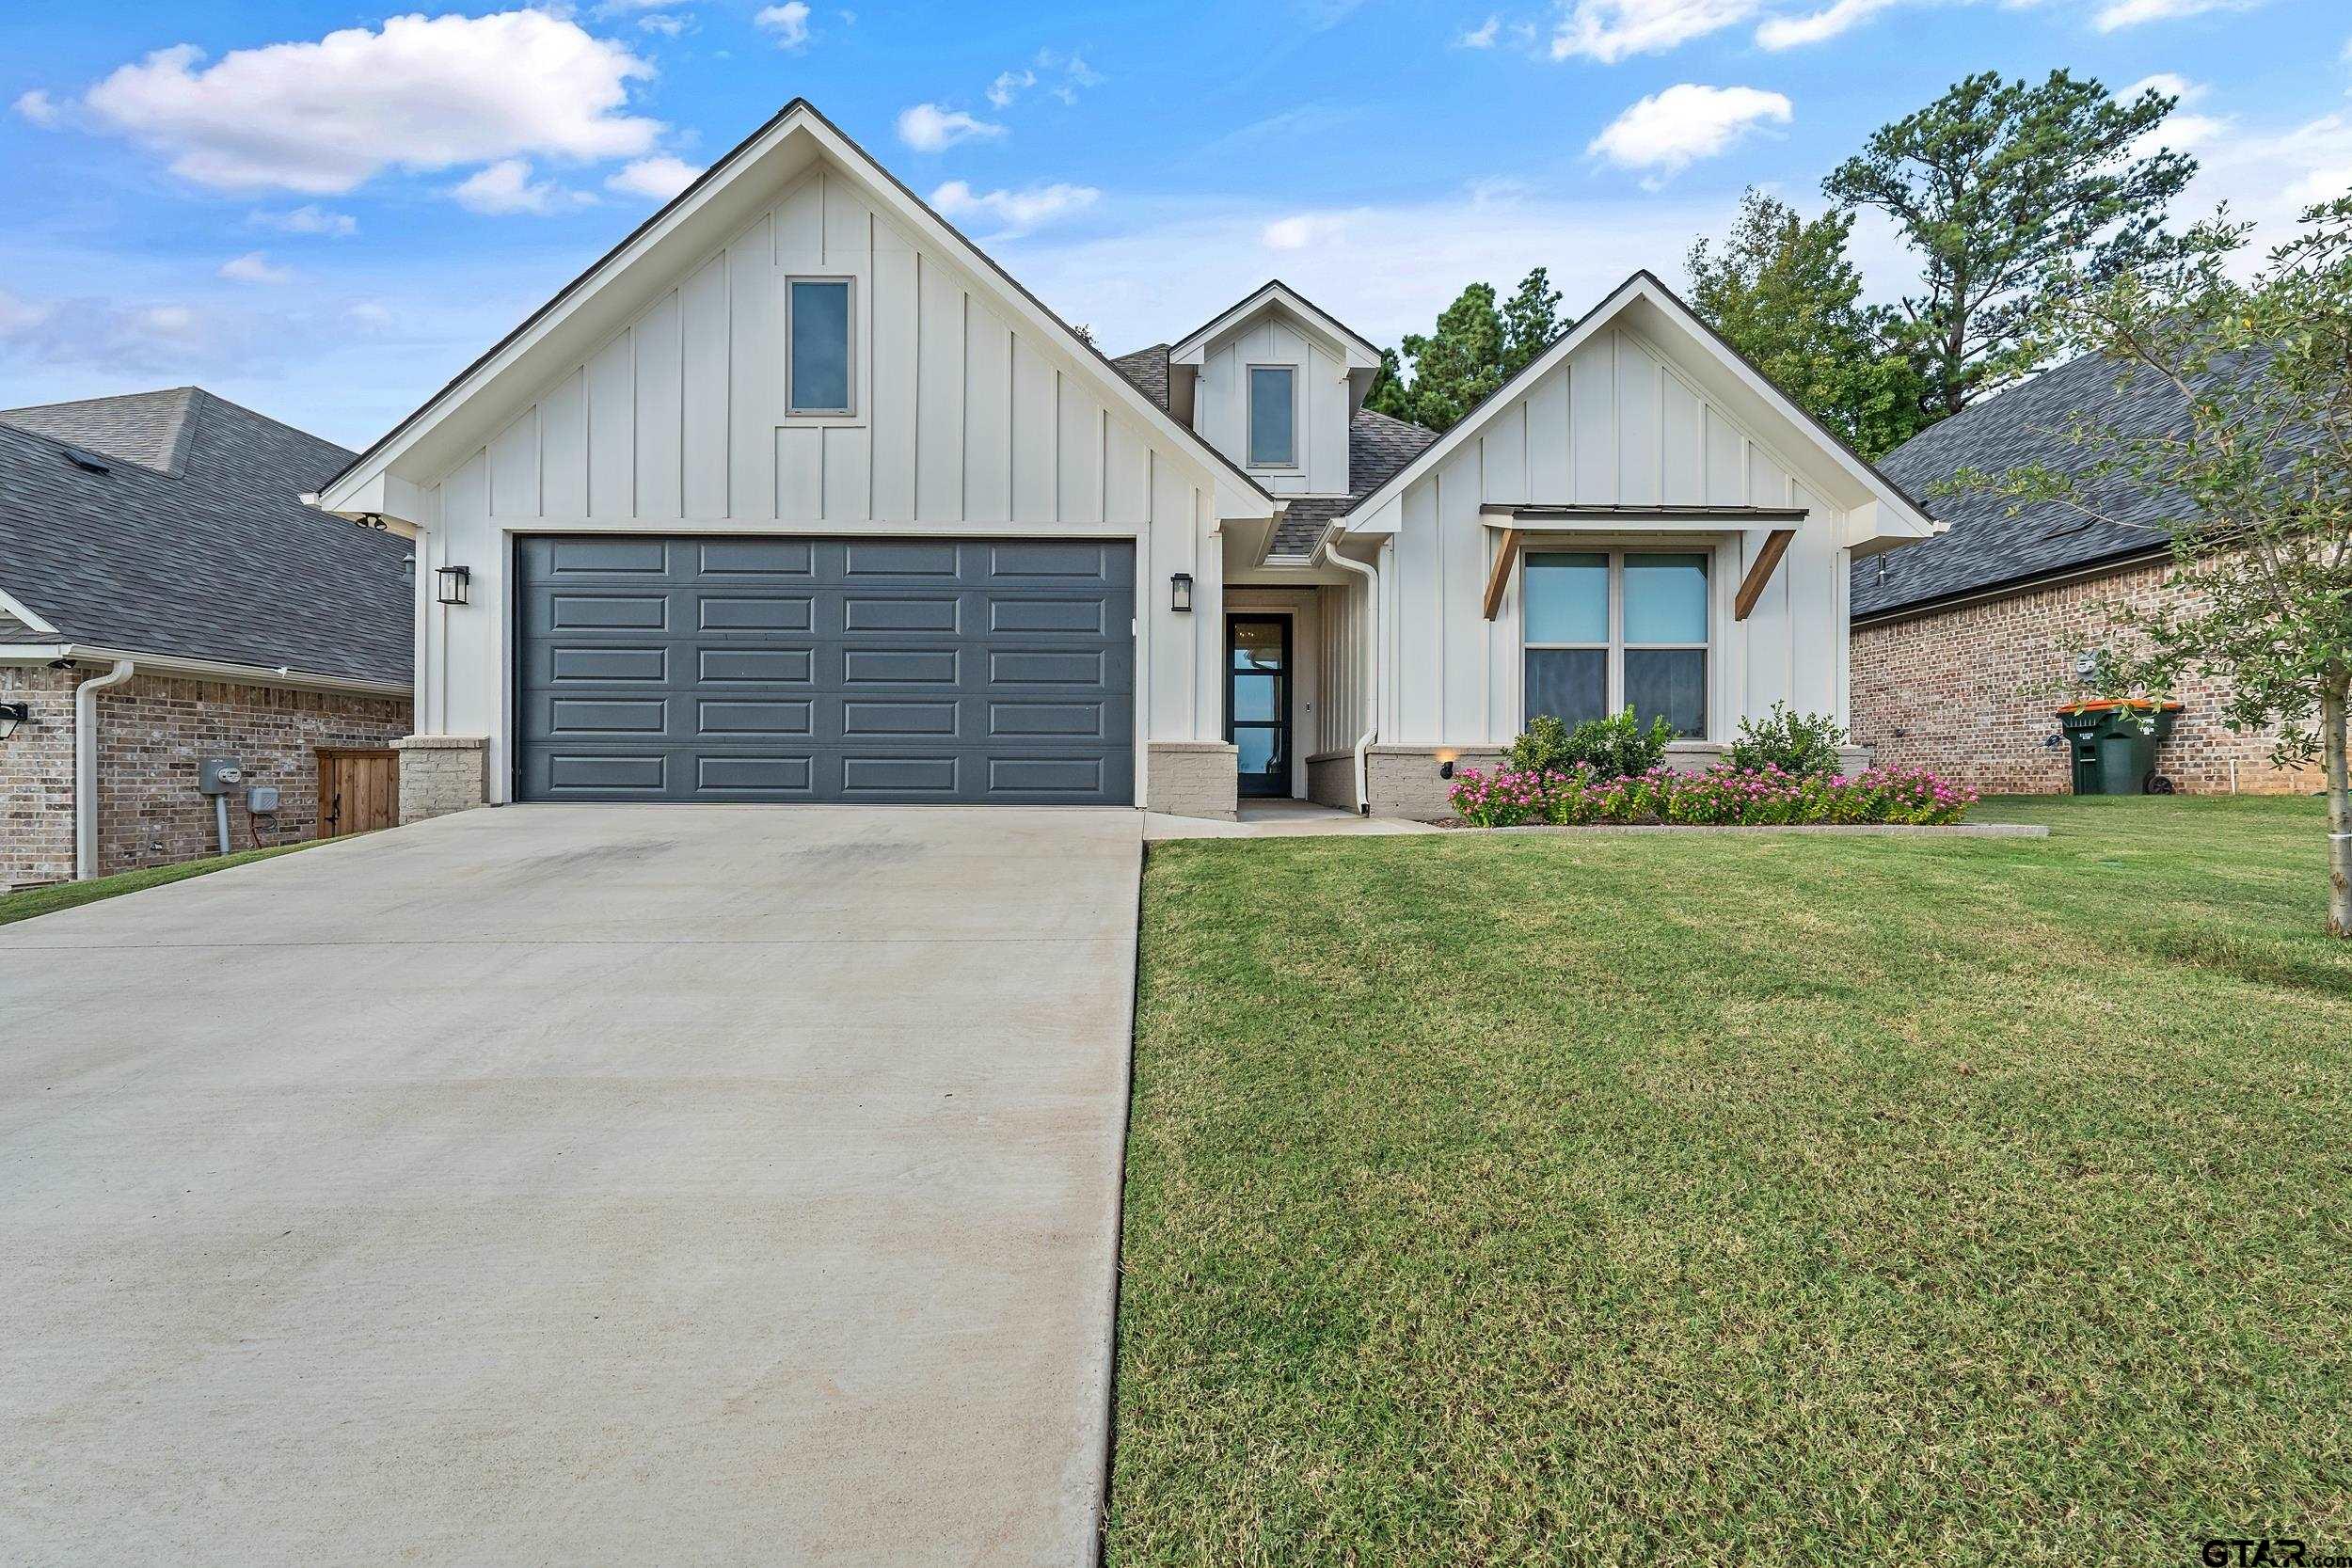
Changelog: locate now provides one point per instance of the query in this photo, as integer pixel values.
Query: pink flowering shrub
(1751, 798)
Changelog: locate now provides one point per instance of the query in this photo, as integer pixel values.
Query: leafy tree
(1996, 184)
(1784, 294)
(1478, 345)
(2262, 455)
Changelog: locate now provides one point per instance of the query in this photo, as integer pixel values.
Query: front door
(1258, 701)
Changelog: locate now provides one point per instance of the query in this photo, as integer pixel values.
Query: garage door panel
(780, 669)
(608, 557)
(760, 558)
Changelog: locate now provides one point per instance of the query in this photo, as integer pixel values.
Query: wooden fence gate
(358, 791)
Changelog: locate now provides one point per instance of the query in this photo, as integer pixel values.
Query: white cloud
(422, 93)
(308, 219)
(255, 268)
(1668, 130)
(1302, 229)
(1611, 30)
(667, 25)
(2183, 130)
(1064, 75)
(929, 128)
(370, 315)
(2117, 14)
(1012, 212)
(659, 178)
(131, 340)
(37, 107)
(788, 22)
(1481, 36)
(506, 186)
(1790, 32)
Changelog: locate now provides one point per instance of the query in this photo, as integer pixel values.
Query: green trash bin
(2113, 745)
(2081, 727)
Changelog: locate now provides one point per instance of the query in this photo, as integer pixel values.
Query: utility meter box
(219, 775)
(262, 800)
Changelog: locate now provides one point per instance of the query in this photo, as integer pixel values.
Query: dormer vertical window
(817, 318)
(1273, 416)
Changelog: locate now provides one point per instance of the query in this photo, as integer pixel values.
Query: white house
(798, 496)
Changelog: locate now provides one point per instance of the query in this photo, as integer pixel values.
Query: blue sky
(323, 212)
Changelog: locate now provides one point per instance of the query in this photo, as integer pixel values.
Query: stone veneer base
(1194, 778)
(441, 773)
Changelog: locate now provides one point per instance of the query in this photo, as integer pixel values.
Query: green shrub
(1803, 745)
(1613, 747)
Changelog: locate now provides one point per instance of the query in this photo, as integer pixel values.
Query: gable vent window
(1273, 416)
(818, 368)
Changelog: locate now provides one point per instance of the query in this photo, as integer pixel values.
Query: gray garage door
(703, 668)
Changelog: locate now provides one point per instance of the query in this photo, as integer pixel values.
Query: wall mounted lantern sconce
(453, 584)
(1180, 593)
(1445, 762)
(11, 715)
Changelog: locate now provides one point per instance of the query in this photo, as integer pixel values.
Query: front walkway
(572, 1183)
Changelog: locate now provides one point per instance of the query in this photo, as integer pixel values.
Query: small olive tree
(2256, 476)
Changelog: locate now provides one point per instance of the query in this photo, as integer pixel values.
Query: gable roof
(673, 231)
(1274, 291)
(1985, 547)
(1646, 286)
(170, 523)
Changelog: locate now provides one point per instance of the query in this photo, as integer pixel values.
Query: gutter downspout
(86, 767)
(1370, 575)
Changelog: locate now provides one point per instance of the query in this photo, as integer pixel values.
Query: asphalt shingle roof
(170, 523)
(1148, 368)
(1984, 546)
(1377, 447)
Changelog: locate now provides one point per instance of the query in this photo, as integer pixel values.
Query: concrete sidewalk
(554, 1185)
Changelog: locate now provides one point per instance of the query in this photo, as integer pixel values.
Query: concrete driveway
(571, 1183)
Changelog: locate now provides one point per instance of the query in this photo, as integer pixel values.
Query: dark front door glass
(1258, 701)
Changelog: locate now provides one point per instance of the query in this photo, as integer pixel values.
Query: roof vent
(88, 465)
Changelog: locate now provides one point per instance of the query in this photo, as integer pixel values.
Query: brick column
(440, 774)
(1194, 778)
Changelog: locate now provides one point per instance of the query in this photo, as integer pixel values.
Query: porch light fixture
(1445, 762)
(1180, 593)
(11, 715)
(453, 584)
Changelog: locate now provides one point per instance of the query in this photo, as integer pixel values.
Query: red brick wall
(1970, 692)
(36, 779)
(153, 730)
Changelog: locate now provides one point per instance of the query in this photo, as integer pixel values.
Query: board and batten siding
(1615, 423)
(1221, 404)
(963, 425)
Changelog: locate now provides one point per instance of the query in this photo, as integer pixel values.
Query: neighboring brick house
(1965, 644)
(161, 538)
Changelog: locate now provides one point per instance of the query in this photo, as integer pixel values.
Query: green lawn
(1773, 1200)
(66, 896)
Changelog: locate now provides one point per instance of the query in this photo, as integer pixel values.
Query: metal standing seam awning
(1777, 523)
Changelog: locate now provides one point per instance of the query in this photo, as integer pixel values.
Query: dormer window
(1273, 416)
(817, 377)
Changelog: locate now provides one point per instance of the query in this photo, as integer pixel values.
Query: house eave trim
(338, 493)
(1646, 285)
(2014, 587)
(200, 669)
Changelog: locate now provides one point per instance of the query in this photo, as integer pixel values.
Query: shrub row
(1751, 797)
